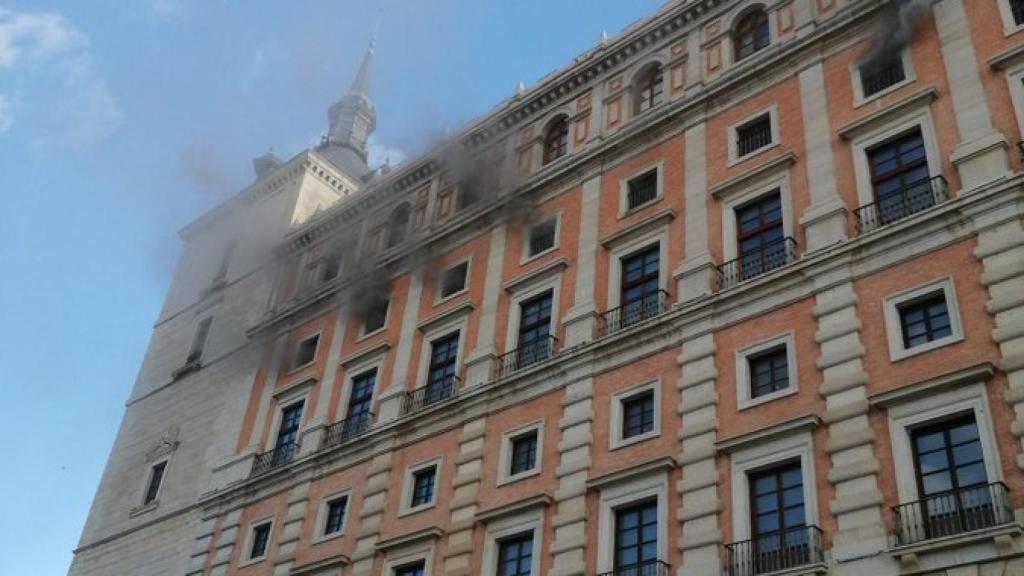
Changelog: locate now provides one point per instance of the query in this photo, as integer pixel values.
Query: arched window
(556, 139)
(751, 34)
(397, 224)
(649, 88)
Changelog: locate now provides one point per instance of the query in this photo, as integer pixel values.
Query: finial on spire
(520, 89)
(604, 38)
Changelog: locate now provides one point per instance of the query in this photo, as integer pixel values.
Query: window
(922, 319)
(423, 487)
(515, 555)
(335, 520)
(556, 139)
(414, 569)
(754, 135)
(649, 88)
(542, 237)
(397, 225)
(766, 370)
(287, 442)
(534, 330)
(778, 518)
(520, 453)
(877, 76)
(751, 34)
(453, 280)
(634, 414)
(195, 352)
(899, 177)
(156, 476)
(642, 189)
(331, 266)
(375, 316)
(444, 353)
(640, 280)
(638, 414)
(760, 236)
(361, 401)
(769, 372)
(524, 453)
(305, 353)
(636, 537)
(260, 539)
(1017, 10)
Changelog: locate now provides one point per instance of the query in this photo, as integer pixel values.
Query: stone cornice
(918, 99)
(409, 538)
(521, 505)
(662, 464)
(978, 373)
(778, 164)
(808, 422)
(553, 267)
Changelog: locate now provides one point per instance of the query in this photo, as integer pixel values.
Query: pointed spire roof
(351, 120)
(361, 84)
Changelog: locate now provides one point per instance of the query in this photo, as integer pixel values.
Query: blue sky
(120, 121)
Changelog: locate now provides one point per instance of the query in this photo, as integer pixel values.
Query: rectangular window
(415, 569)
(291, 421)
(642, 189)
(305, 353)
(924, 320)
(753, 135)
(156, 476)
(515, 555)
(769, 372)
(423, 486)
(454, 279)
(760, 236)
(636, 538)
(260, 539)
(534, 330)
(524, 453)
(542, 237)
(375, 316)
(900, 178)
(361, 399)
(335, 515)
(877, 76)
(778, 518)
(331, 266)
(638, 414)
(444, 353)
(195, 352)
(1017, 9)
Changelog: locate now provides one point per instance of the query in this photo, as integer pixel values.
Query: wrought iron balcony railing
(648, 568)
(275, 458)
(634, 312)
(526, 355)
(775, 552)
(951, 513)
(752, 264)
(347, 429)
(899, 205)
(433, 393)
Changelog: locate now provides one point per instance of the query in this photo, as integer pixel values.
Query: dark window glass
(306, 351)
(877, 76)
(650, 88)
(361, 399)
(753, 135)
(638, 414)
(900, 178)
(1017, 8)
(751, 35)
(769, 372)
(156, 476)
(260, 538)
(542, 236)
(524, 453)
(640, 275)
(534, 329)
(423, 486)
(759, 235)
(924, 320)
(376, 316)
(291, 419)
(642, 189)
(195, 352)
(416, 569)
(335, 515)
(443, 357)
(556, 140)
(454, 279)
(778, 517)
(636, 535)
(515, 556)
(397, 225)
(331, 266)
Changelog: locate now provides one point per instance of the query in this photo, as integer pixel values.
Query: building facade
(739, 291)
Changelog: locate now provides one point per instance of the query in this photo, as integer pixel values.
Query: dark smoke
(897, 24)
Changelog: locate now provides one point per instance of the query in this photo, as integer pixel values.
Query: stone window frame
(356, 367)
(760, 454)
(292, 367)
(456, 320)
(1015, 80)
(777, 179)
(617, 417)
(639, 72)
(505, 452)
(250, 533)
(728, 28)
(438, 297)
(321, 516)
(624, 209)
(909, 77)
(743, 380)
(894, 325)
(732, 133)
(392, 562)
(621, 494)
(151, 463)
(363, 334)
(548, 282)
(286, 398)
(498, 529)
(627, 246)
(408, 479)
(919, 118)
(1006, 14)
(525, 256)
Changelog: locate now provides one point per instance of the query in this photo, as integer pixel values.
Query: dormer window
(649, 88)
(556, 139)
(751, 34)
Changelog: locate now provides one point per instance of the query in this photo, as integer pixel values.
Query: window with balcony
(754, 135)
(358, 416)
(515, 555)
(535, 341)
(453, 281)
(650, 88)
(751, 34)
(636, 539)
(900, 181)
(760, 239)
(641, 296)
(876, 77)
(305, 352)
(780, 538)
(642, 189)
(291, 421)
(542, 237)
(442, 375)
(556, 139)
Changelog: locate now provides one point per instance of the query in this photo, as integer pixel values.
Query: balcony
(899, 205)
(433, 393)
(648, 568)
(633, 313)
(952, 513)
(793, 548)
(273, 459)
(526, 355)
(347, 429)
(753, 264)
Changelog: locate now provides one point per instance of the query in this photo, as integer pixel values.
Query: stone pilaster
(391, 398)
(824, 222)
(480, 363)
(230, 533)
(468, 468)
(201, 548)
(314, 431)
(698, 488)
(569, 546)
(696, 275)
(581, 319)
(291, 529)
(853, 467)
(375, 494)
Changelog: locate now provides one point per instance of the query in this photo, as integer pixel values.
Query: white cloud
(378, 153)
(6, 113)
(33, 39)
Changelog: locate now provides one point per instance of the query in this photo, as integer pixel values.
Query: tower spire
(352, 119)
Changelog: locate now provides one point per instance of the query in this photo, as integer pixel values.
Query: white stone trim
(363, 334)
(743, 381)
(930, 408)
(292, 367)
(624, 209)
(404, 508)
(244, 558)
(920, 118)
(498, 529)
(762, 455)
(1015, 79)
(626, 248)
(633, 93)
(321, 516)
(142, 505)
(778, 180)
(628, 492)
(458, 324)
(729, 26)
(732, 133)
(525, 256)
(909, 77)
(375, 363)
(615, 439)
(552, 283)
(293, 396)
(438, 298)
(894, 328)
(1009, 26)
(505, 452)
(410, 554)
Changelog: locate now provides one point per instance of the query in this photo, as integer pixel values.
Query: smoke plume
(897, 24)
